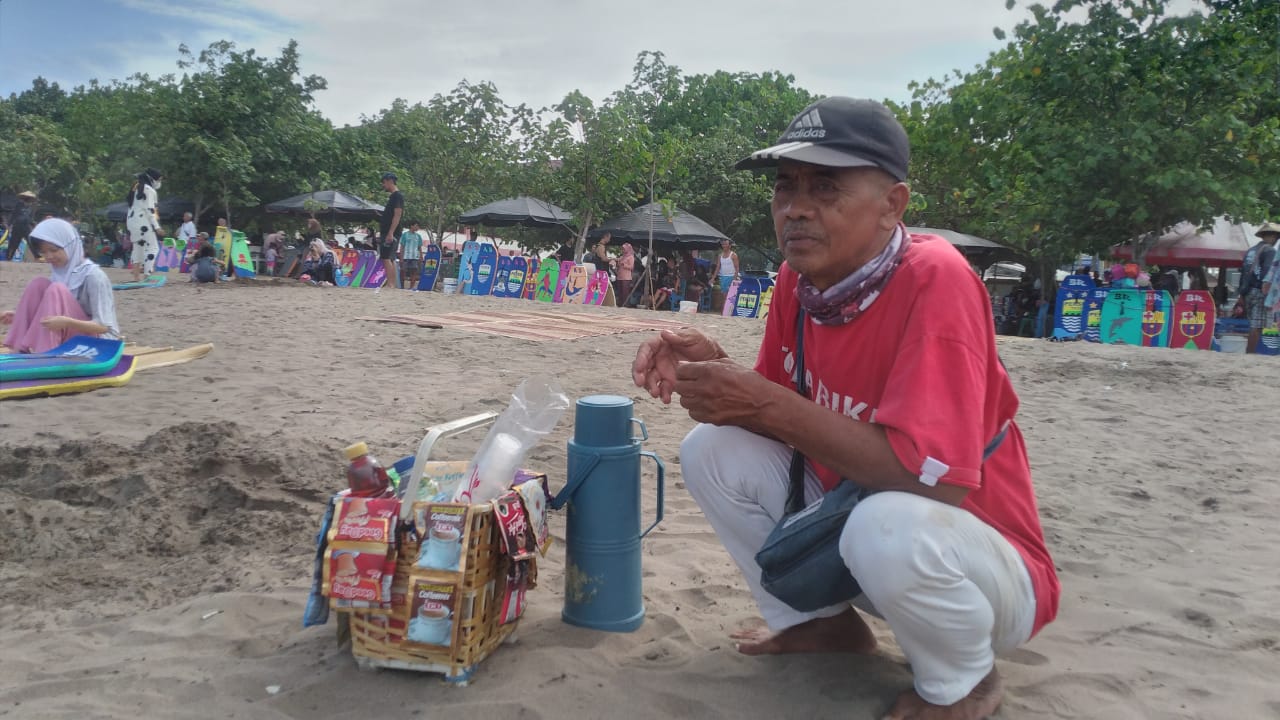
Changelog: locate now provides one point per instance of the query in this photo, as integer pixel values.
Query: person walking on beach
(390, 226)
(143, 222)
(1257, 266)
(20, 224)
(905, 396)
(729, 267)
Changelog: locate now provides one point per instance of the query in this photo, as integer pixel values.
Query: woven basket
(479, 631)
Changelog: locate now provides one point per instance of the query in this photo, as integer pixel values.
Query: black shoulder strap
(795, 494)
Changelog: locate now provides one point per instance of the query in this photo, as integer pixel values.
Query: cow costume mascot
(143, 222)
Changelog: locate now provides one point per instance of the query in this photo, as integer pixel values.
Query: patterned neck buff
(846, 300)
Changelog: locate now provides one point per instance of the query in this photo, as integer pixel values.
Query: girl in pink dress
(74, 300)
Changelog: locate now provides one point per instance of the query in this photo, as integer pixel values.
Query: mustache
(793, 229)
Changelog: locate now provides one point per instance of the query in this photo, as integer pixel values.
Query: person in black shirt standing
(390, 227)
(21, 224)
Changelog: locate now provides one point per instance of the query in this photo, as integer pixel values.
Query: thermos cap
(603, 421)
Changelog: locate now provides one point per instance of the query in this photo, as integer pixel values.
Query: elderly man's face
(832, 221)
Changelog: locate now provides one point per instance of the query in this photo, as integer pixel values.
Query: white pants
(146, 244)
(951, 588)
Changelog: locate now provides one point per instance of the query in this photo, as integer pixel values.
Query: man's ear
(895, 205)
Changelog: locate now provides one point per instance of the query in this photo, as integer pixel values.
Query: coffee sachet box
(442, 529)
(434, 609)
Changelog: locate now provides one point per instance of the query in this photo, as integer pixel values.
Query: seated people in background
(74, 300)
(318, 263)
(205, 264)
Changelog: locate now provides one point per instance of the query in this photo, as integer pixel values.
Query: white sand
(126, 515)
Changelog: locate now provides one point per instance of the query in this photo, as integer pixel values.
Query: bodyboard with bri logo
(1194, 316)
(1157, 316)
(501, 276)
(530, 291)
(241, 259)
(561, 280)
(548, 280)
(467, 266)
(486, 270)
(516, 278)
(346, 270)
(81, 356)
(377, 275)
(1121, 321)
(430, 268)
(731, 298)
(575, 283)
(747, 302)
(1068, 309)
(1093, 314)
(597, 288)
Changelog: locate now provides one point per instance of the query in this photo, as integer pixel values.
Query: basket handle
(434, 434)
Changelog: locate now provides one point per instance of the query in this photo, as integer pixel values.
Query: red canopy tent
(1187, 246)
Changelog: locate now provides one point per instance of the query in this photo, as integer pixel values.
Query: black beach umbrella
(334, 203)
(680, 231)
(523, 210)
(982, 251)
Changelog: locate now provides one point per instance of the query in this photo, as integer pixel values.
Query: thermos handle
(662, 472)
(571, 486)
(644, 431)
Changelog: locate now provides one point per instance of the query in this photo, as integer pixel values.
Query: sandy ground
(127, 515)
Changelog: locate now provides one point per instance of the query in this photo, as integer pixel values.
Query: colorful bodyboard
(345, 271)
(20, 254)
(4, 244)
(467, 266)
(117, 375)
(1121, 320)
(377, 275)
(597, 288)
(501, 276)
(222, 244)
(565, 268)
(1069, 308)
(766, 301)
(548, 280)
(1157, 316)
(1194, 316)
(1093, 313)
(731, 298)
(80, 356)
(574, 290)
(486, 265)
(430, 268)
(747, 302)
(241, 259)
(516, 278)
(151, 282)
(530, 291)
(168, 257)
(364, 266)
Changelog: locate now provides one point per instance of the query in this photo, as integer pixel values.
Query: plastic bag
(536, 406)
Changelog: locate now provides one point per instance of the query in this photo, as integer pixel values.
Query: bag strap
(795, 494)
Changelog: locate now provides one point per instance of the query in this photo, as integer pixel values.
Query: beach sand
(128, 515)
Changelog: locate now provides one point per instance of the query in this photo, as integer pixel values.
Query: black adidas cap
(840, 132)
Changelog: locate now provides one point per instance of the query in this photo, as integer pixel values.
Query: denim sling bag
(800, 561)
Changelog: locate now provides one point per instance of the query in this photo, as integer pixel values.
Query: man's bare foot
(843, 633)
(979, 703)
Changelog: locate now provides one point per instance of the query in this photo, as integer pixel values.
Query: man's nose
(797, 205)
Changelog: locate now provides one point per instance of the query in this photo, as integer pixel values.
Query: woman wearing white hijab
(75, 300)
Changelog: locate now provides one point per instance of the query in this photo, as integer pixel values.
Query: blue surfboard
(81, 356)
(486, 270)
(430, 268)
(1069, 307)
(747, 302)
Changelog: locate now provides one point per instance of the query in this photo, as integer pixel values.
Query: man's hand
(722, 392)
(57, 322)
(655, 366)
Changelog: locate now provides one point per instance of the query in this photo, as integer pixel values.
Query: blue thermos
(602, 588)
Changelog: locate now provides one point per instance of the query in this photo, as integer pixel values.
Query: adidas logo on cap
(808, 126)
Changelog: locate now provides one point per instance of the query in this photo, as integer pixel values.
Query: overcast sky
(535, 51)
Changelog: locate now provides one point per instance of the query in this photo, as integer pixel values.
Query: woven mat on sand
(538, 326)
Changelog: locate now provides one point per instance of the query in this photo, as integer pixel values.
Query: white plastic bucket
(688, 306)
(1233, 343)
(450, 286)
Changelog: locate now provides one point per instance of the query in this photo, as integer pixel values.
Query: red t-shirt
(921, 361)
